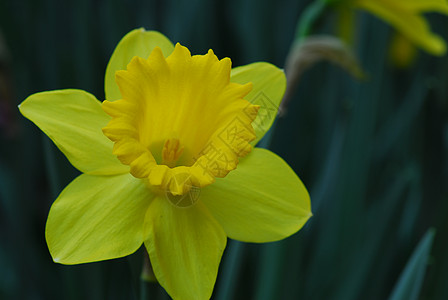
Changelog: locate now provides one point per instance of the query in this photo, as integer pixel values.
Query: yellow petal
(185, 246)
(440, 6)
(411, 24)
(263, 200)
(97, 218)
(73, 120)
(139, 43)
(269, 83)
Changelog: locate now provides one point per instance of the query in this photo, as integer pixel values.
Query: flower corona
(169, 125)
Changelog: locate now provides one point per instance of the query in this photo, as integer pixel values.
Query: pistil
(171, 152)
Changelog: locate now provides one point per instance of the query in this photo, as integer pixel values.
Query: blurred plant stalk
(307, 52)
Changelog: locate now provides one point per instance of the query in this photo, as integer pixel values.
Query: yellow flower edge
(406, 17)
(107, 212)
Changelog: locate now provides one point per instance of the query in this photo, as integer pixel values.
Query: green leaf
(411, 279)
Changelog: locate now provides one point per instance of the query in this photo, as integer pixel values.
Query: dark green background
(372, 153)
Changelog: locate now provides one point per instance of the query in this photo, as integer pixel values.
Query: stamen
(171, 152)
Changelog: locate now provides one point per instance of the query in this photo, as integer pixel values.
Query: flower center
(180, 98)
(171, 152)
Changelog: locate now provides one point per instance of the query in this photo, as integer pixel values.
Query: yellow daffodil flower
(406, 17)
(168, 162)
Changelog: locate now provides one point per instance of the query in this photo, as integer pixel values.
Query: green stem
(309, 17)
(230, 271)
(149, 287)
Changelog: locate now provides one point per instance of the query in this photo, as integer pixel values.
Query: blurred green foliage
(372, 153)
